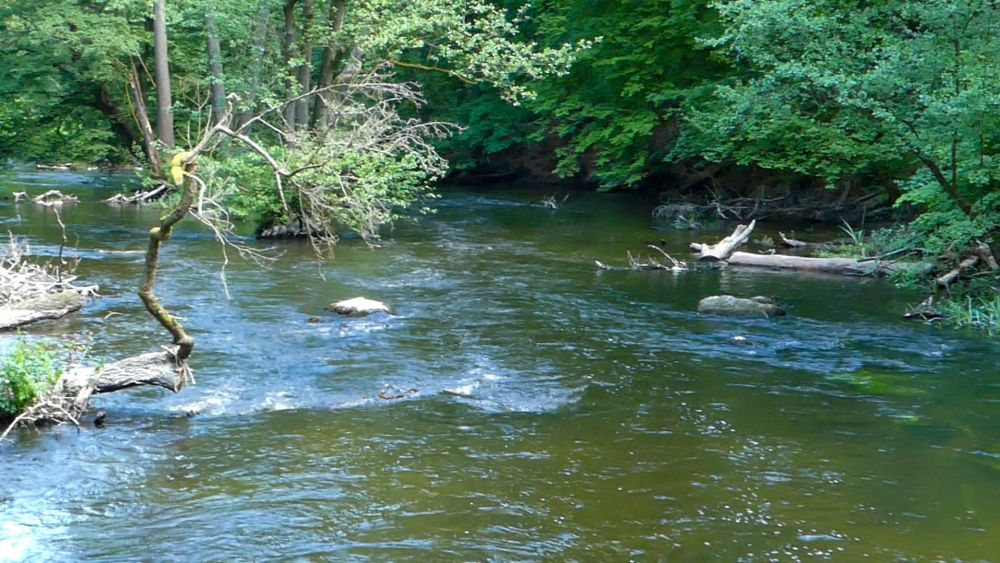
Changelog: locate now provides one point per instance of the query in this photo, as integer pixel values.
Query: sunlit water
(561, 413)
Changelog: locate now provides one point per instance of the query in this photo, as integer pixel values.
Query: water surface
(560, 413)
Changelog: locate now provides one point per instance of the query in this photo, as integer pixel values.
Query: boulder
(359, 307)
(740, 307)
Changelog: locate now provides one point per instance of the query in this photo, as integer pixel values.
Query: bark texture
(51, 306)
(161, 61)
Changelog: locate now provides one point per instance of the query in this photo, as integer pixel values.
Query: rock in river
(359, 307)
(740, 307)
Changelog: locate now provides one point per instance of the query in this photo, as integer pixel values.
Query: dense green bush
(26, 372)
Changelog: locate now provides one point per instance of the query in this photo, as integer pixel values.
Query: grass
(981, 313)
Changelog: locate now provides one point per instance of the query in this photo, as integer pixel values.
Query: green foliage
(26, 373)
(979, 311)
(244, 183)
(836, 89)
(610, 116)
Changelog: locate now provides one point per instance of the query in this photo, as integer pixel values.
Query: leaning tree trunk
(145, 127)
(157, 237)
(161, 61)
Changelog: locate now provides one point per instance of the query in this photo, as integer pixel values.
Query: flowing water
(560, 413)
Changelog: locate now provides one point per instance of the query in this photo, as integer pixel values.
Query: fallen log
(725, 247)
(946, 279)
(841, 266)
(50, 306)
(69, 398)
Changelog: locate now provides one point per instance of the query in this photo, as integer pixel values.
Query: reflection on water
(545, 410)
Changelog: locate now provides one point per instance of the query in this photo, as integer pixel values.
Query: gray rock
(359, 307)
(740, 307)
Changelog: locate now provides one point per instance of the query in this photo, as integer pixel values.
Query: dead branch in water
(139, 198)
(650, 263)
(725, 247)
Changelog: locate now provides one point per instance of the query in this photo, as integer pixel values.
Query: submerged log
(725, 247)
(758, 306)
(50, 306)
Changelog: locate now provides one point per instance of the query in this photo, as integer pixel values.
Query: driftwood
(650, 264)
(57, 167)
(725, 247)
(925, 311)
(32, 292)
(50, 306)
(786, 242)
(69, 398)
(983, 251)
(139, 198)
(54, 197)
(842, 266)
(946, 279)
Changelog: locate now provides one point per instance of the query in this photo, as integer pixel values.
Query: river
(560, 413)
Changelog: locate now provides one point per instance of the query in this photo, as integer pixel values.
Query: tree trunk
(256, 63)
(158, 236)
(218, 86)
(305, 70)
(288, 45)
(330, 56)
(120, 121)
(161, 61)
(142, 120)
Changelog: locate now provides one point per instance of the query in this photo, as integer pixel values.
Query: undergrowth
(27, 371)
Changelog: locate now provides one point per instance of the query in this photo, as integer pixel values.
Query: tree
(161, 62)
(841, 89)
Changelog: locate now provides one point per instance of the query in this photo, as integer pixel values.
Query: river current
(551, 411)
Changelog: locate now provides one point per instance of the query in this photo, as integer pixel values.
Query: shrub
(26, 373)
